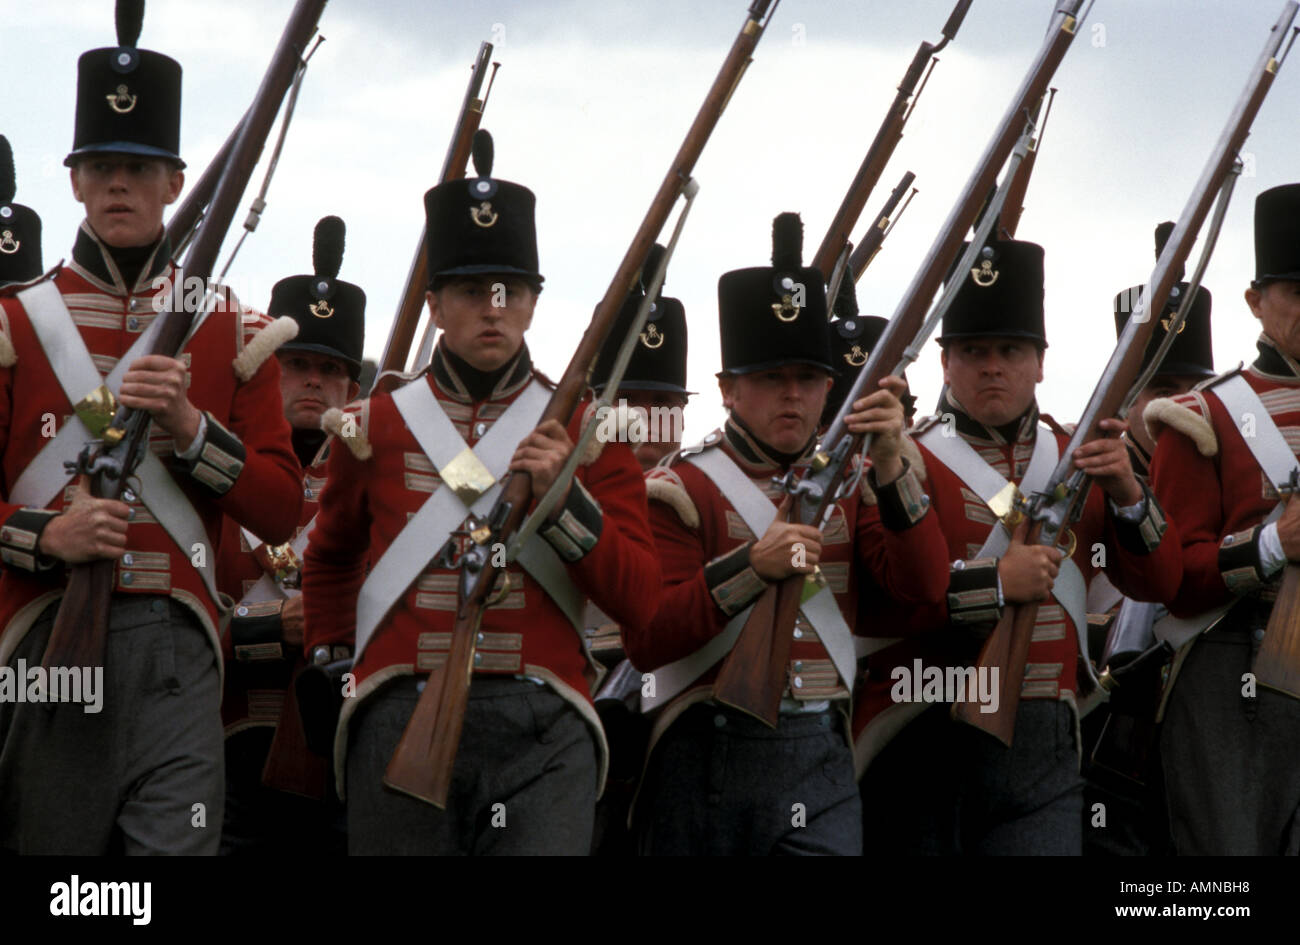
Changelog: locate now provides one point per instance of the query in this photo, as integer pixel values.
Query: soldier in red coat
(647, 412)
(942, 786)
(719, 781)
(279, 798)
(138, 767)
(1228, 745)
(531, 758)
(1121, 761)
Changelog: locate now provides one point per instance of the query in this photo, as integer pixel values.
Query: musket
(411, 303)
(189, 212)
(748, 679)
(1066, 491)
(881, 227)
(1009, 219)
(80, 629)
(422, 764)
(186, 217)
(882, 146)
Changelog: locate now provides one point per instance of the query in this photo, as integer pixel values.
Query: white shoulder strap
(1268, 446)
(75, 370)
(440, 515)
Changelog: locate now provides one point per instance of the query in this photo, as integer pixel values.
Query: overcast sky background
(593, 98)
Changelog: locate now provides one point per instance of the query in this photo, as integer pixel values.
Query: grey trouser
(721, 783)
(524, 781)
(944, 787)
(142, 776)
(1232, 763)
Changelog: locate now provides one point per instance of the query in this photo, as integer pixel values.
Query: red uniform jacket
(369, 501)
(246, 470)
(1207, 478)
(1138, 563)
(704, 545)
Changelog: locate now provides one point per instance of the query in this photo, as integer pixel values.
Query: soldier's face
(483, 318)
(1277, 306)
(663, 420)
(781, 406)
(125, 196)
(1162, 385)
(311, 384)
(993, 378)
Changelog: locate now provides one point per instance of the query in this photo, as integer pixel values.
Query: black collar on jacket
(1023, 429)
(462, 382)
(758, 454)
(95, 258)
(1274, 363)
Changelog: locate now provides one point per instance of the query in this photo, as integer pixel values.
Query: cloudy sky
(591, 103)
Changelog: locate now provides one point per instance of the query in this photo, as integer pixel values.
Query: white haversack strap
(75, 369)
(430, 528)
(1268, 446)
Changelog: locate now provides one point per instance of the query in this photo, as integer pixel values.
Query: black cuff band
(973, 591)
(220, 461)
(902, 502)
(578, 528)
(20, 537)
(1239, 562)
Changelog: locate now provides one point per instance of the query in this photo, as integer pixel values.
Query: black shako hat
(659, 359)
(772, 316)
(1191, 352)
(331, 313)
(481, 224)
(128, 99)
(20, 227)
(1001, 295)
(1277, 234)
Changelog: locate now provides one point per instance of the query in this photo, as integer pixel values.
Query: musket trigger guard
(501, 587)
(1072, 542)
